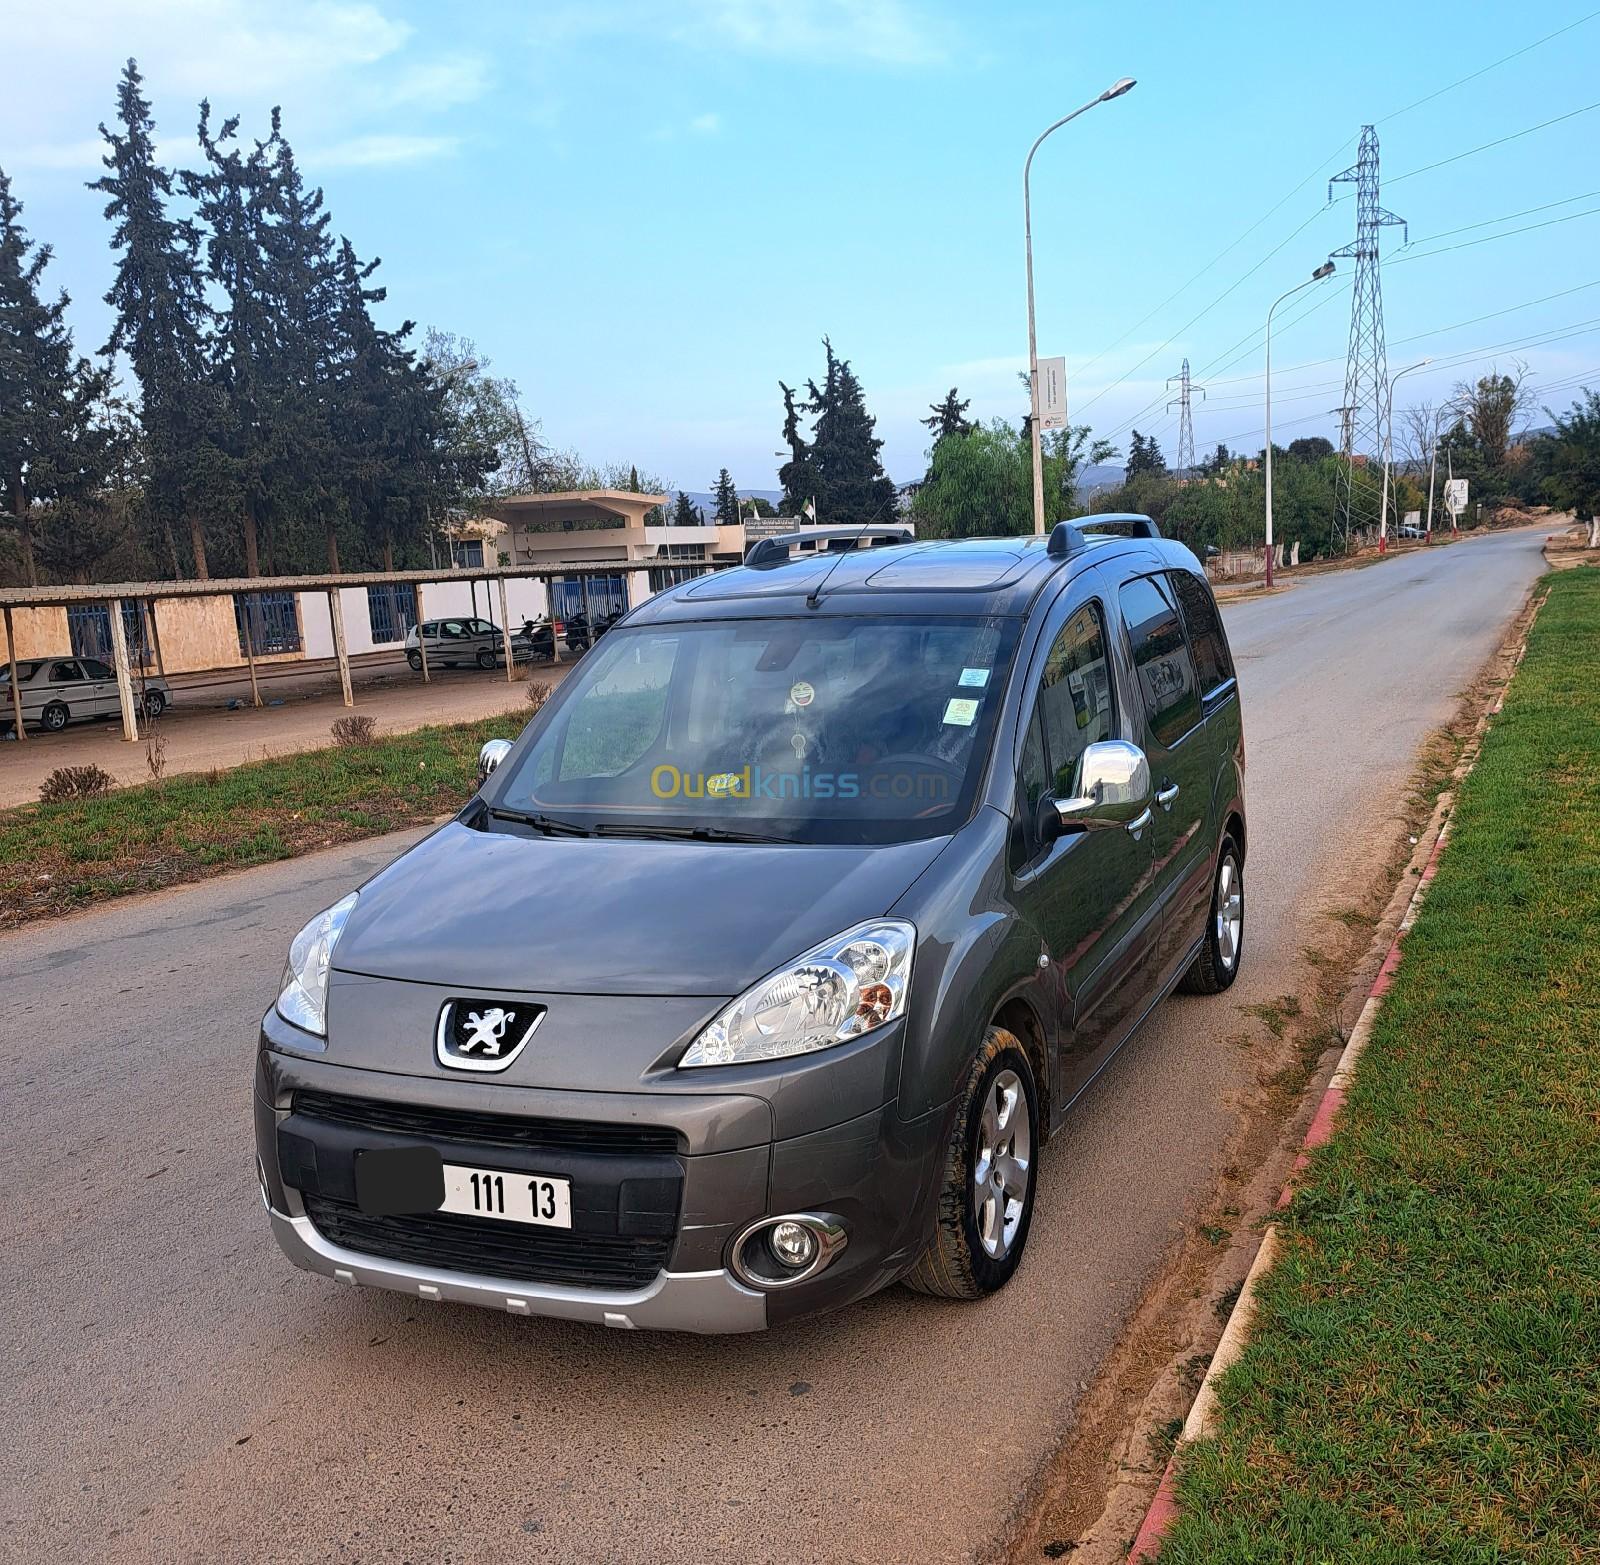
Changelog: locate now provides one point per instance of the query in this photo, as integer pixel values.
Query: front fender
(973, 955)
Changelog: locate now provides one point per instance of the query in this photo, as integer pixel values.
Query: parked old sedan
(59, 690)
(765, 962)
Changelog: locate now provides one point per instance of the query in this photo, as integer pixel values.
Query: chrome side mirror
(1113, 789)
(490, 756)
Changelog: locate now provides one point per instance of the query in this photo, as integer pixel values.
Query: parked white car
(57, 690)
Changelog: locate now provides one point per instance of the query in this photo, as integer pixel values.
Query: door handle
(1138, 824)
(1167, 795)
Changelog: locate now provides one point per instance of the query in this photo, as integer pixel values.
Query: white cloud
(381, 151)
(706, 124)
(830, 32)
(347, 75)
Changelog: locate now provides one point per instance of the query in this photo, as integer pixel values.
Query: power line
(1515, 135)
(1489, 222)
(1435, 331)
(1503, 60)
(1466, 244)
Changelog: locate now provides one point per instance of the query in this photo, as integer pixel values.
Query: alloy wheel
(1230, 913)
(1000, 1164)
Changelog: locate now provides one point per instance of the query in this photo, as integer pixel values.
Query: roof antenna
(814, 597)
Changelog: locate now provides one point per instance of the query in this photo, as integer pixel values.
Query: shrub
(76, 782)
(538, 694)
(356, 729)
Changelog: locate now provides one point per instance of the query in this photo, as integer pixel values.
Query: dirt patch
(1094, 1494)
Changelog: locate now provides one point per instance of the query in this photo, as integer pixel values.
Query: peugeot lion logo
(484, 1035)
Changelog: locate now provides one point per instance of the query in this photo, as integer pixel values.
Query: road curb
(1201, 1422)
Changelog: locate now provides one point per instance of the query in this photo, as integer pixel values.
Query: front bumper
(873, 1171)
(711, 1302)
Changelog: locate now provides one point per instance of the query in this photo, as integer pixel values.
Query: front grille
(497, 1130)
(492, 1249)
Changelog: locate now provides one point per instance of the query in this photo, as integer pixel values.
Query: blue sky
(649, 213)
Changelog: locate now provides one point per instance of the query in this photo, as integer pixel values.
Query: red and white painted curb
(1201, 1421)
(1202, 1416)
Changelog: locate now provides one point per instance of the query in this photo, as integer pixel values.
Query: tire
(1218, 963)
(970, 1254)
(154, 704)
(54, 718)
(415, 660)
(486, 658)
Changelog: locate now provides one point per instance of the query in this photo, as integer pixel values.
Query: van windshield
(836, 730)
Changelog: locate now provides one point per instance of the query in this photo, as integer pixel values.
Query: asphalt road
(173, 1390)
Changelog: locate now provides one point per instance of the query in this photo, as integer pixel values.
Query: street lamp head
(1117, 88)
(1325, 270)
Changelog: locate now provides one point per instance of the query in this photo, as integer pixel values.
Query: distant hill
(707, 502)
(1099, 476)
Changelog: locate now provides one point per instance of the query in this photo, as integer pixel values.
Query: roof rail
(766, 552)
(1065, 539)
(1121, 524)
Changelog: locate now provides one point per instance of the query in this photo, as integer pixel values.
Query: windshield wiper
(687, 833)
(548, 824)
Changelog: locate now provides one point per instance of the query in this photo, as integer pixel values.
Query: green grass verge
(57, 857)
(1423, 1381)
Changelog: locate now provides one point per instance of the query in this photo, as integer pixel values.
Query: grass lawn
(57, 857)
(1423, 1382)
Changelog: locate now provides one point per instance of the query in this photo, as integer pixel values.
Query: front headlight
(835, 992)
(304, 1000)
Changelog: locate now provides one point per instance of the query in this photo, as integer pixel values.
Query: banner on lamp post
(1053, 393)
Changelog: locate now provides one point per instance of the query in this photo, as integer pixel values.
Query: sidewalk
(1422, 1375)
(202, 734)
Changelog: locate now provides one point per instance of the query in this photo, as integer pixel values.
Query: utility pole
(1388, 452)
(1186, 389)
(1366, 379)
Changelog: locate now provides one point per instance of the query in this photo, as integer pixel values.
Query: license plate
(513, 1198)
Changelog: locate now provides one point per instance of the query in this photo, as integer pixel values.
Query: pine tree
(302, 481)
(949, 417)
(51, 453)
(1144, 455)
(633, 480)
(726, 512)
(232, 195)
(161, 321)
(686, 513)
(851, 485)
(796, 475)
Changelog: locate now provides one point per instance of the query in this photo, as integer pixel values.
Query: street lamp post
(1388, 451)
(1115, 90)
(1325, 270)
(1433, 468)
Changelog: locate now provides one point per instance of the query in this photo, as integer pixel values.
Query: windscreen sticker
(801, 693)
(961, 714)
(974, 678)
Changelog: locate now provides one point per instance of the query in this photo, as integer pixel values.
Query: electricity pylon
(1365, 421)
(1185, 419)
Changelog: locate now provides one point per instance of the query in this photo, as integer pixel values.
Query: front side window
(1075, 696)
(1161, 657)
(66, 672)
(1204, 624)
(824, 730)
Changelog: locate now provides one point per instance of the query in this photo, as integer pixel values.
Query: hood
(488, 910)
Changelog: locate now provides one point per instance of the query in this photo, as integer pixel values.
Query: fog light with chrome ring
(793, 1244)
(792, 1247)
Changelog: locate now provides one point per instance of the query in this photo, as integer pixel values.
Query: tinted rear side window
(1204, 624)
(1161, 656)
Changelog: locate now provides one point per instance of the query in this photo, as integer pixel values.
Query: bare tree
(1495, 410)
(1417, 431)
